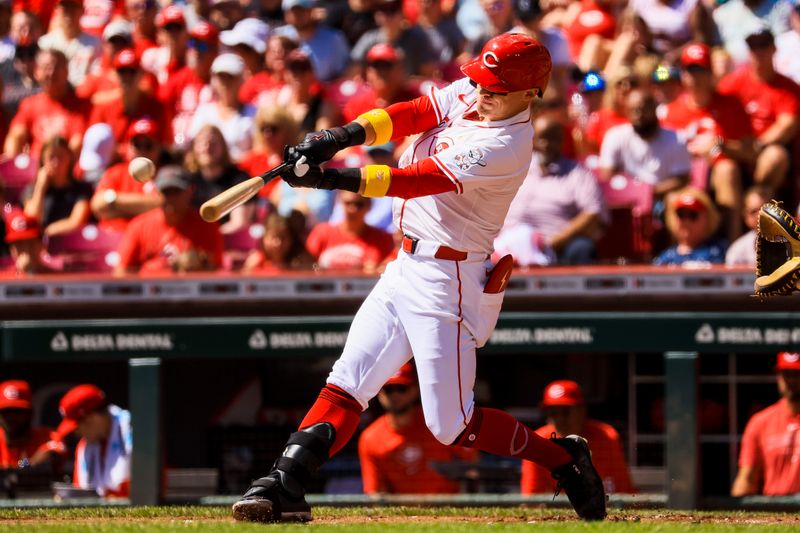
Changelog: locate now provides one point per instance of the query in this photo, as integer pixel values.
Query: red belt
(443, 252)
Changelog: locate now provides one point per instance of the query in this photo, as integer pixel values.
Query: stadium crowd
(664, 126)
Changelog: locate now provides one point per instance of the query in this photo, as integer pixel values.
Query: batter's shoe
(580, 480)
(281, 495)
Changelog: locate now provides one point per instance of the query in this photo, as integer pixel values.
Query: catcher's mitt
(777, 252)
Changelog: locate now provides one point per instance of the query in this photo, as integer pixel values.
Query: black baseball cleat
(580, 480)
(281, 495)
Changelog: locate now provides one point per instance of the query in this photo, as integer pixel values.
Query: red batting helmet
(511, 62)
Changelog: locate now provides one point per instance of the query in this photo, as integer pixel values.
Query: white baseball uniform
(434, 308)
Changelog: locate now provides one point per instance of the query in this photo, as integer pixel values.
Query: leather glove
(777, 252)
(321, 146)
(303, 173)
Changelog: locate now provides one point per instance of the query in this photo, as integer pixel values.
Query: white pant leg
(377, 345)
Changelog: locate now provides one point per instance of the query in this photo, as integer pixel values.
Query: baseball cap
(760, 38)
(250, 32)
(592, 81)
(696, 54)
(383, 52)
(77, 403)
(125, 59)
(170, 15)
(788, 361)
(172, 177)
(97, 148)
(15, 394)
(562, 392)
(20, 227)
(689, 201)
(144, 126)
(118, 28)
(404, 376)
(286, 5)
(229, 64)
(665, 73)
(204, 31)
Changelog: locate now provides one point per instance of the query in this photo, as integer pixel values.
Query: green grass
(389, 520)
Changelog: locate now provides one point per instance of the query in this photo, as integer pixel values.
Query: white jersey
(487, 161)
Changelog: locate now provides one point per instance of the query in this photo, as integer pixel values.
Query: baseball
(141, 169)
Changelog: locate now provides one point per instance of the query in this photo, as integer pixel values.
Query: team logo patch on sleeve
(470, 158)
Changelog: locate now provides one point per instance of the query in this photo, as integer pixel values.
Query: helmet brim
(483, 76)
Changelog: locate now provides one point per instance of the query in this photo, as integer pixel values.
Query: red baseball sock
(339, 409)
(497, 432)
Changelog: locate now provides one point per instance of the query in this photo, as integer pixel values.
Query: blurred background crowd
(667, 123)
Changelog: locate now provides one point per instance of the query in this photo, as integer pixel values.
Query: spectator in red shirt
(566, 414)
(43, 9)
(590, 34)
(173, 238)
(118, 197)
(21, 444)
(397, 449)
(248, 39)
(717, 131)
(351, 244)
(771, 101)
(190, 87)
(54, 111)
(142, 13)
(278, 48)
(170, 57)
(24, 239)
(132, 104)
(613, 113)
(280, 249)
(769, 459)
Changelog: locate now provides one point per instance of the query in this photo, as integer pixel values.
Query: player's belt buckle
(445, 252)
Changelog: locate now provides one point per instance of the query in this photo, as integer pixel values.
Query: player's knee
(445, 431)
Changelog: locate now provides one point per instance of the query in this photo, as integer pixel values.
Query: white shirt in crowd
(787, 55)
(650, 161)
(742, 252)
(237, 130)
(83, 53)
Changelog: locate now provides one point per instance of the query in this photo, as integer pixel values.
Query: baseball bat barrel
(231, 198)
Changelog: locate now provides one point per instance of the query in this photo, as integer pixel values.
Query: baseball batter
(436, 301)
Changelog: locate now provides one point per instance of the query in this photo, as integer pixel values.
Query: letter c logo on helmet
(490, 60)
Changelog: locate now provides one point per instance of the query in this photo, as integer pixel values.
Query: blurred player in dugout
(397, 449)
(566, 414)
(21, 444)
(769, 460)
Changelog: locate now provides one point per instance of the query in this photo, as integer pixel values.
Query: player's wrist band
(377, 179)
(381, 122)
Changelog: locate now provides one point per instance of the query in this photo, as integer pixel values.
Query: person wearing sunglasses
(397, 451)
(742, 251)
(692, 220)
(165, 60)
(565, 408)
(82, 50)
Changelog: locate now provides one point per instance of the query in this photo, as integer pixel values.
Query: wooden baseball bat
(231, 198)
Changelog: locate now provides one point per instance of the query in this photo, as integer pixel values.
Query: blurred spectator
(351, 244)
(281, 248)
(227, 113)
(444, 35)
(21, 444)
(97, 151)
(142, 14)
(24, 239)
(56, 199)
(248, 39)
(173, 238)
(717, 132)
(565, 408)
(666, 87)
(590, 32)
(645, 150)
(190, 87)
(225, 14)
(213, 171)
(17, 71)
(43, 9)
(672, 24)
(584, 105)
(97, 15)
(619, 84)
(168, 58)
(118, 197)
(419, 56)
(274, 128)
(787, 47)
(769, 459)
(386, 80)
(528, 20)
(743, 250)
(327, 47)
(736, 19)
(771, 101)
(302, 94)
(132, 103)
(499, 18)
(7, 43)
(559, 207)
(103, 455)
(692, 221)
(397, 450)
(278, 48)
(54, 111)
(353, 17)
(83, 51)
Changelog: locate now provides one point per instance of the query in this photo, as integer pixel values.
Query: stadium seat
(89, 249)
(239, 244)
(16, 174)
(630, 205)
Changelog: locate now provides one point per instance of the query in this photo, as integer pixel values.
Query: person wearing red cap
(142, 14)
(769, 459)
(103, 454)
(565, 408)
(118, 197)
(131, 103)
(21, 444)
(24, 239)
(167, 59)
(437, 302)
(83, 51)
(716, 129)
(692, 220)
(396, 450)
